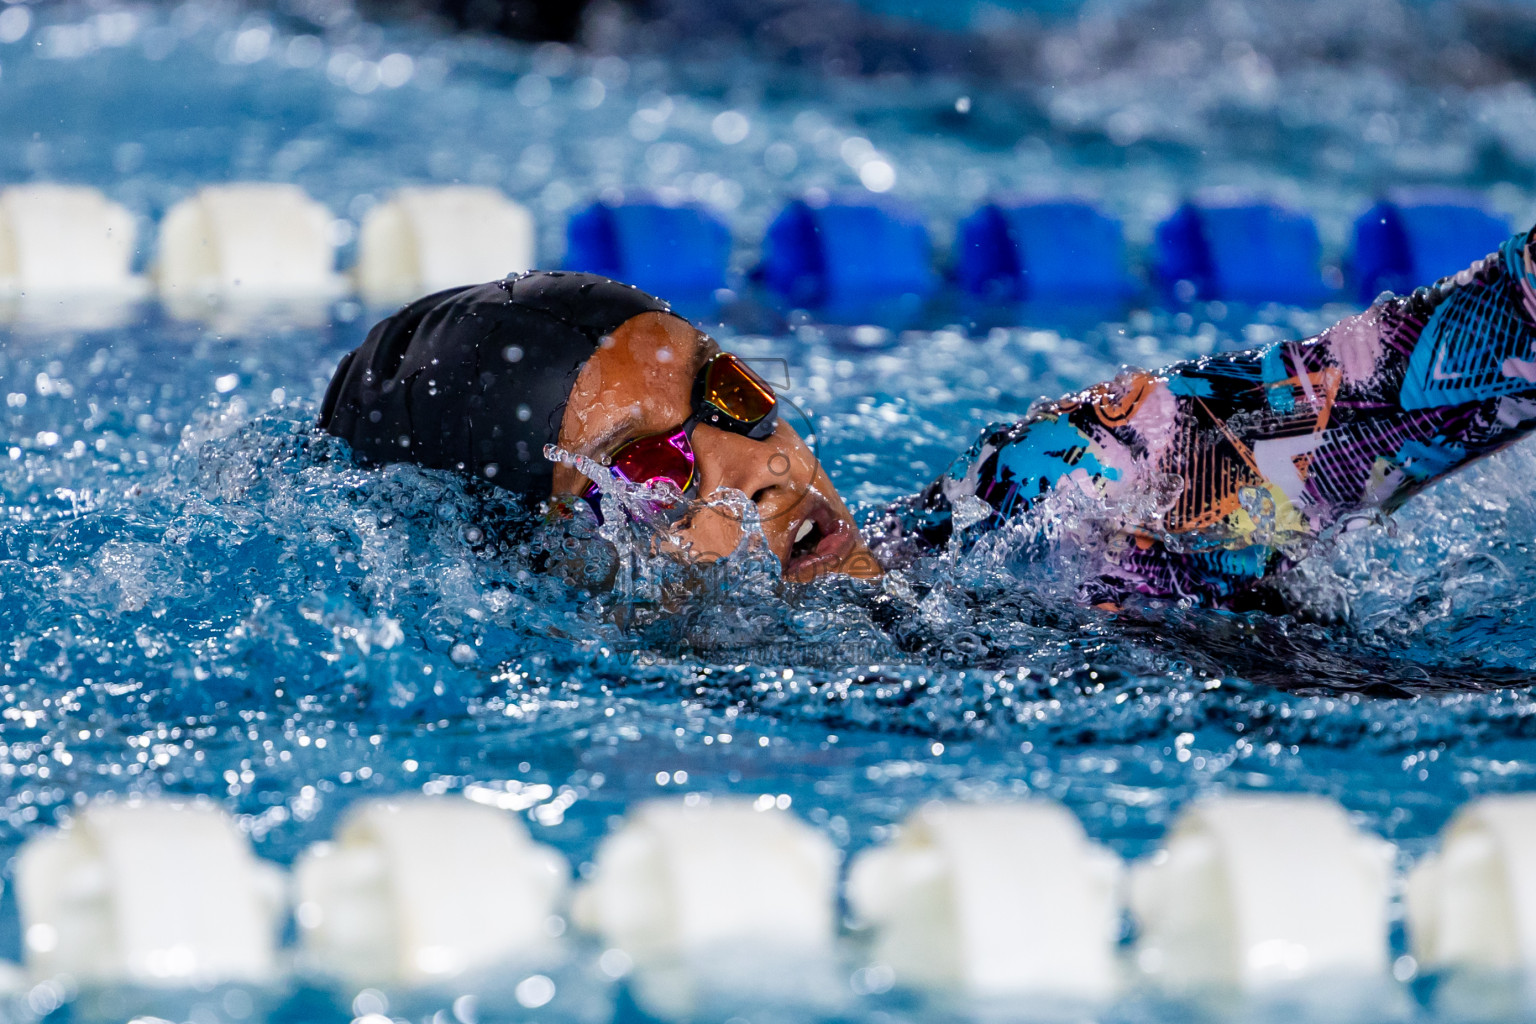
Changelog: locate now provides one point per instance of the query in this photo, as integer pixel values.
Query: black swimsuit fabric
(476, 379)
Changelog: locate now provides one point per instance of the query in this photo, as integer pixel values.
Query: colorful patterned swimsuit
(1213, 474)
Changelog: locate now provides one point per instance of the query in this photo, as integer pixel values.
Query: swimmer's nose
(758, 469)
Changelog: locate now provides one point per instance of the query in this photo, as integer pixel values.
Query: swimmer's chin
(837, 550)
(815, 542)
(859, 564)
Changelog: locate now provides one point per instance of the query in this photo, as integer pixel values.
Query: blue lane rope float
(846, 252)
(1054, 250)
(1241, 251)
(662, 249)
(1411, 239)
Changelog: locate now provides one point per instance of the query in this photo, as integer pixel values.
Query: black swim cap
(476, 379)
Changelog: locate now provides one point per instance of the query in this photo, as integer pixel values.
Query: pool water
(203, 596)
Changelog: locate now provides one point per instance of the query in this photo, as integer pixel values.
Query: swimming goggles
(727, 395)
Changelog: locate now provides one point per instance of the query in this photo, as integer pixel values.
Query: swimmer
(1209, 476)
(481, 379)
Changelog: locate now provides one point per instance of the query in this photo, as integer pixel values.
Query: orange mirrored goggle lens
(731, 386)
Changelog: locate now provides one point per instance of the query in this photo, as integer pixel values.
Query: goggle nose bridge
(706, 410)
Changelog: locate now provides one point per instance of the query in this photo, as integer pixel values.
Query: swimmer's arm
(1361, 394)
(1428, 383)
(1008, 467)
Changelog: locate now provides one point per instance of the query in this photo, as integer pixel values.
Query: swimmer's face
(641, 382)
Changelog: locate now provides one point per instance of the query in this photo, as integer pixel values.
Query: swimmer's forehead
(632, 421)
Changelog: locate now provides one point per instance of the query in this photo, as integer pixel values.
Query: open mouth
(821, 541)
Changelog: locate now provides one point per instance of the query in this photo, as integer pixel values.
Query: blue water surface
(200, 595)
